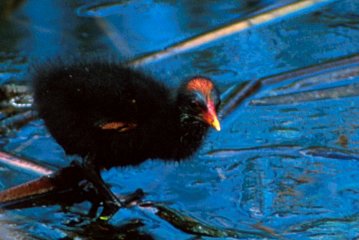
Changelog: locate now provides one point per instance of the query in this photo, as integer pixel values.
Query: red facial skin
(205, 87)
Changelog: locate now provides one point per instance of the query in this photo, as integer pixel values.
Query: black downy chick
(111, 115)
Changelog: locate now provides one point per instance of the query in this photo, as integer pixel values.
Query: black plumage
(116, 116)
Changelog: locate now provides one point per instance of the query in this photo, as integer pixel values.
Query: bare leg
(111, 204)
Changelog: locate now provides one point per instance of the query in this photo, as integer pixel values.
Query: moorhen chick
(111, 115)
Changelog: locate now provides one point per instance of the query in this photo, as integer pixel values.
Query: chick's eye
(194, 104)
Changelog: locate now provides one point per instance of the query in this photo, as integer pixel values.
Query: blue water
(287, 157)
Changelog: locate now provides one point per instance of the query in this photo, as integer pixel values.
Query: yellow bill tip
(216, 125)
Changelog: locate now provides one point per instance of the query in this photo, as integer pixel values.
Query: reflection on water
(286, 162)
